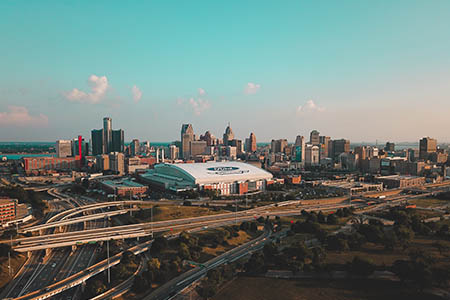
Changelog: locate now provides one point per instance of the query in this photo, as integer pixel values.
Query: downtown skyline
(352, 70)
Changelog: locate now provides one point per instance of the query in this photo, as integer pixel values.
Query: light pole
(109, 269)
(235, 213)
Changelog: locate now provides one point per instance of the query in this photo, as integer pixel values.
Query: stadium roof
(216, 172)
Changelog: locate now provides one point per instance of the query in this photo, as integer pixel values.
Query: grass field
(429, 202)
(250, 288)
(379, 256)
(16, 262)
(163, 213)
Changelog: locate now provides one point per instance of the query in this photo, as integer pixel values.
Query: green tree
(361, 267)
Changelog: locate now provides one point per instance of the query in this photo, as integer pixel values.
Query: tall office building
(340, 146)
(80, 147)
(97, 141)
(314, 138)
(117, 162)
(312, 154)
(228, 136)
(197, 148)
(118, 141)
(208, 138)
(278, 146)
(107, 135)
(324, 144)
(299, 147)
(187, 135)
(63, 148)
(134, 147)
(251, 143)
(427, 146)
(173, 152)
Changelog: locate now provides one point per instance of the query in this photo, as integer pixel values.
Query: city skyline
(359, 71)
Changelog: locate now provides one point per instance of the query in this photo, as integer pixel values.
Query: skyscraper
(228, 136)
(107, 135)
(134, 147)
(252, 143)
(63, 148)
(312, 155)
(187, 135)
(340, 146)
(300, 148)
(117, 141)
(427, 146)
(314, 138)
(173, 152)
(97, 141)
(324, 142)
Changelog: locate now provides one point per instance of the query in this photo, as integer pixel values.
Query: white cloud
(199, 105)
(98, 85)
(309, 107)
(137, 93)
(201, 92)
(19, 116)
(251, 88)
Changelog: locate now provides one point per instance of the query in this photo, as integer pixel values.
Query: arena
(228, 177)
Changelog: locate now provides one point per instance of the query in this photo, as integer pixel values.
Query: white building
(227, 177)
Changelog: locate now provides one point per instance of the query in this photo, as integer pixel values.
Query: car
(53, 265)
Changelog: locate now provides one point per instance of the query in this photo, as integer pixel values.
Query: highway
(177, 284)
(146, 229)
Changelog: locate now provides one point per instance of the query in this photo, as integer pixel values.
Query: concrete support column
(74, 248)
(29, 253)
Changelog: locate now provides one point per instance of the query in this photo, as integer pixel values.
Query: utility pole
(235, 213)
(109, 269)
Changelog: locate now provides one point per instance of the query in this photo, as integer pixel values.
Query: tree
(127, 257)
(332, 219)
(183, 251)
(336, 243)
(159, 244)
(361, 267)
(321, 218)
(141, 284)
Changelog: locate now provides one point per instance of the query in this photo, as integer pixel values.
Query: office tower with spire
(228, 136)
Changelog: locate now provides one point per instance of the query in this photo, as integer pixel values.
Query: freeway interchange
(77, 236)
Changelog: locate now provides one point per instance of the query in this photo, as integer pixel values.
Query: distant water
(20, 156)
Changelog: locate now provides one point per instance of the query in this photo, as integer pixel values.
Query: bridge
(64, 222)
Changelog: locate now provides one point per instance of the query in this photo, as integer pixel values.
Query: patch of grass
(16, 262)
(250, 288)
(428, 202)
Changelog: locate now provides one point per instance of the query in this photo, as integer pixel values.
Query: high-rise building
(197, 148)
(312, 154)
(63, 148)
(134, 147)
(228, 136)
(117, 162)
(340, 146)
(187, 136)
(208, 138)
(80, 147)
(251, 143)
(277, 146)
(107, 135)
(314, 138)
(390, 147)
(324, 142)
(118, 141)
(173, 152)
(427, 146)
(361, 151)
(300, 145)
(97, 141)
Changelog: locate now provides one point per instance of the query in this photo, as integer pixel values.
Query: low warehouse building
(400, 181)
(228, 177)
(123, 187)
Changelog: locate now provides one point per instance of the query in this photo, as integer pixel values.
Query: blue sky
(362, 70)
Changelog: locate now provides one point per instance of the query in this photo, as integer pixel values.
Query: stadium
(228, 177)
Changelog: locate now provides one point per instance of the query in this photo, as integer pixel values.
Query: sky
(362, 70)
